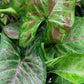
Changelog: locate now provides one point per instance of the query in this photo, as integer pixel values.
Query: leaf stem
(44, 53)
(52, 62)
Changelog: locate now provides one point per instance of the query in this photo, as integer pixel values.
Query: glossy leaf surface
(71, 67)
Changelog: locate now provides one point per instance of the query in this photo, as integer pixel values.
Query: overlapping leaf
(19, 6)
(14, 70)
(73, 44)
(60, 20)
(59, 16)
(12, 30)
(4, 4)
(15, 8)
(71, 67)
(60, 80)
(36, 12)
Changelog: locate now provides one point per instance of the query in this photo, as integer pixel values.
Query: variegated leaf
(19, 6)
(73, 44)
(27, 68)
(15, 8)
(37, 10)
(75, 40)
(59, 16)
(12, 30)
(60, 20)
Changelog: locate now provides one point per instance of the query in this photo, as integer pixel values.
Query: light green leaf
(4, 19)
(9, 11)
(15, 68)
(71, 67)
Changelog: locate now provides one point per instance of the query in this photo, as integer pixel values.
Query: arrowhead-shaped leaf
(58, 16)
(75, 40)
(14, 70)
(73, 44)
(60, 20)
(71, 67)
(36, 12)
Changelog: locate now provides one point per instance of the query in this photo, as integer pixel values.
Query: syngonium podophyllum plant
(41, 42)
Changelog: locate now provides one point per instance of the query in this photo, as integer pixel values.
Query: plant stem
(44, 53)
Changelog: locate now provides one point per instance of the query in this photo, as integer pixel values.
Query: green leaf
(28, 31)
(9, 11)
(4, 4)
(19, 5)
(36, 13)
(71, 67)
(41, 10)
(73, 44)
(60, 80)
(15, 68)
(75, 40)
(3, 19)
(15, 8)
(60, 20)
(12, 30)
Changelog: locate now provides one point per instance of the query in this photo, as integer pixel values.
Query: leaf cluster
(41, 42)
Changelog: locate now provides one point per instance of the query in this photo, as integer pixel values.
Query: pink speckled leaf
(27, 68)
(12, 30)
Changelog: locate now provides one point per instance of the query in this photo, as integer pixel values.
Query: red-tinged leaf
(74, 42)
(60, 17)
(12, 30)
(27, 32)
(36, 13)
(60, 20)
